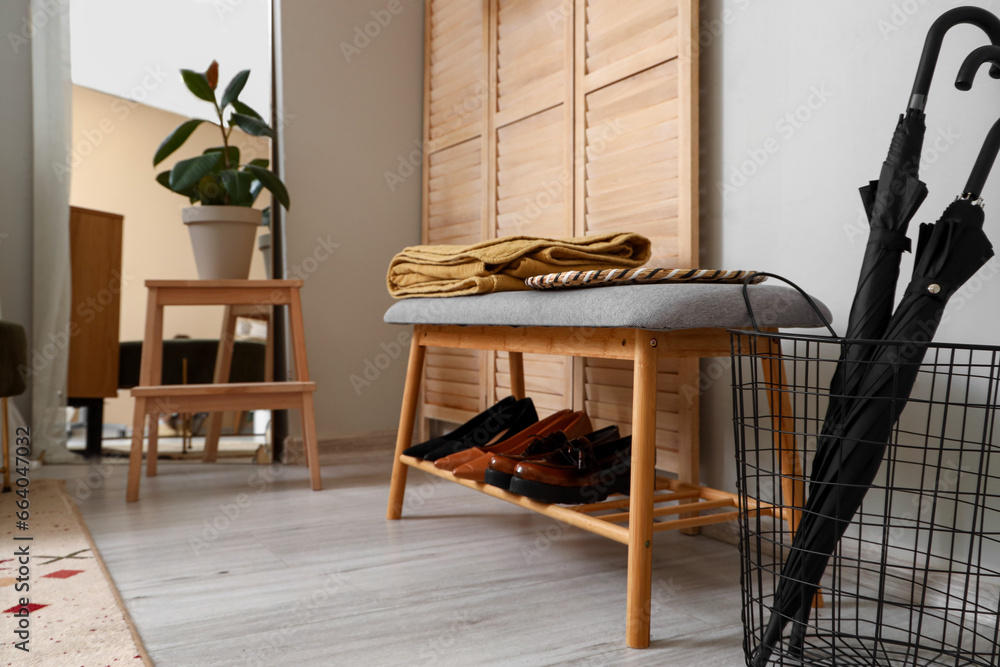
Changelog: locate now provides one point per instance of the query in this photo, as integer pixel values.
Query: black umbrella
(857, 429)
(948, 254)
(890, 203)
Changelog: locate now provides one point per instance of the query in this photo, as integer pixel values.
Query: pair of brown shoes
(472, 463)
(584, 471)
(502, 469)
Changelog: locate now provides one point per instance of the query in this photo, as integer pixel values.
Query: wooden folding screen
(562, 118)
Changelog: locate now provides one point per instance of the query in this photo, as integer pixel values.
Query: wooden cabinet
(562, 118)
(95, 241)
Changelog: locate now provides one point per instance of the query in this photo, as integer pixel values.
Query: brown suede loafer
(578, 474)
(572, 425)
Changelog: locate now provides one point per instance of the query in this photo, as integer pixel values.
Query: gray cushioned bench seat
(653, 307)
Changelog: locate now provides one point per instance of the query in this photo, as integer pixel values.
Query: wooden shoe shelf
(653, 500)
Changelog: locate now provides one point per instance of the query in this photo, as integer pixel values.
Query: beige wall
(349, 114)
(112, 170)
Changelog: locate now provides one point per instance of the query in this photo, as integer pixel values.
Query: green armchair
(13, 359)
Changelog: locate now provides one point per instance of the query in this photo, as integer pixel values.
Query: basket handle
(809, 300)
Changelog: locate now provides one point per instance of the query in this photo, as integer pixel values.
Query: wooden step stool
(153, 399)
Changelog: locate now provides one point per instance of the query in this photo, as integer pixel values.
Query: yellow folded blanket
(502, 264)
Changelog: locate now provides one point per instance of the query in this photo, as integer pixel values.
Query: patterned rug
(74, 613)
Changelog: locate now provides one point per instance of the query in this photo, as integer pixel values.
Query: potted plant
(224, 224)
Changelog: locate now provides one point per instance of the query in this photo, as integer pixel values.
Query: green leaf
(272, 183)
(260, 162)
(234, 154)
(238, 184)
(246, 110)
(163, 178)
(252, 126)
(175, 139)
(198, 84)
(234, 88)
(187, 173)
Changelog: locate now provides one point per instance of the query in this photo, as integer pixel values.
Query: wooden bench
(638, 323)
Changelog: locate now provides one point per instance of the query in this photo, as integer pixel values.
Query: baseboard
(377, 443)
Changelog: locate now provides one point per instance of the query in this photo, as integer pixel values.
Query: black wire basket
(915, 580)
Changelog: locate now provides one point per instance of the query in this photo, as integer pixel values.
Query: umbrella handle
(978, 17)
(988, 153)
(809, 300)
(984, 163)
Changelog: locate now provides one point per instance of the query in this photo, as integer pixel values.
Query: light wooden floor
(228, 564)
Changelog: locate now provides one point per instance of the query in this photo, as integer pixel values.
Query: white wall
(345, 123)
(160, 38)
(799, 213)
(16, 179)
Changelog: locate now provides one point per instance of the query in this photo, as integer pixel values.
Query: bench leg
(640, 523)
(516, 360)
(404, 437)
(688, 469)
(135, 455)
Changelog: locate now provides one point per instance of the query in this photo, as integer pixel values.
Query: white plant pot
(264, 244)
(222, 238)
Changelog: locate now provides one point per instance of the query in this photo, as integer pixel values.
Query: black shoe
(502, 466)
(498, 427)
(418, 451)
